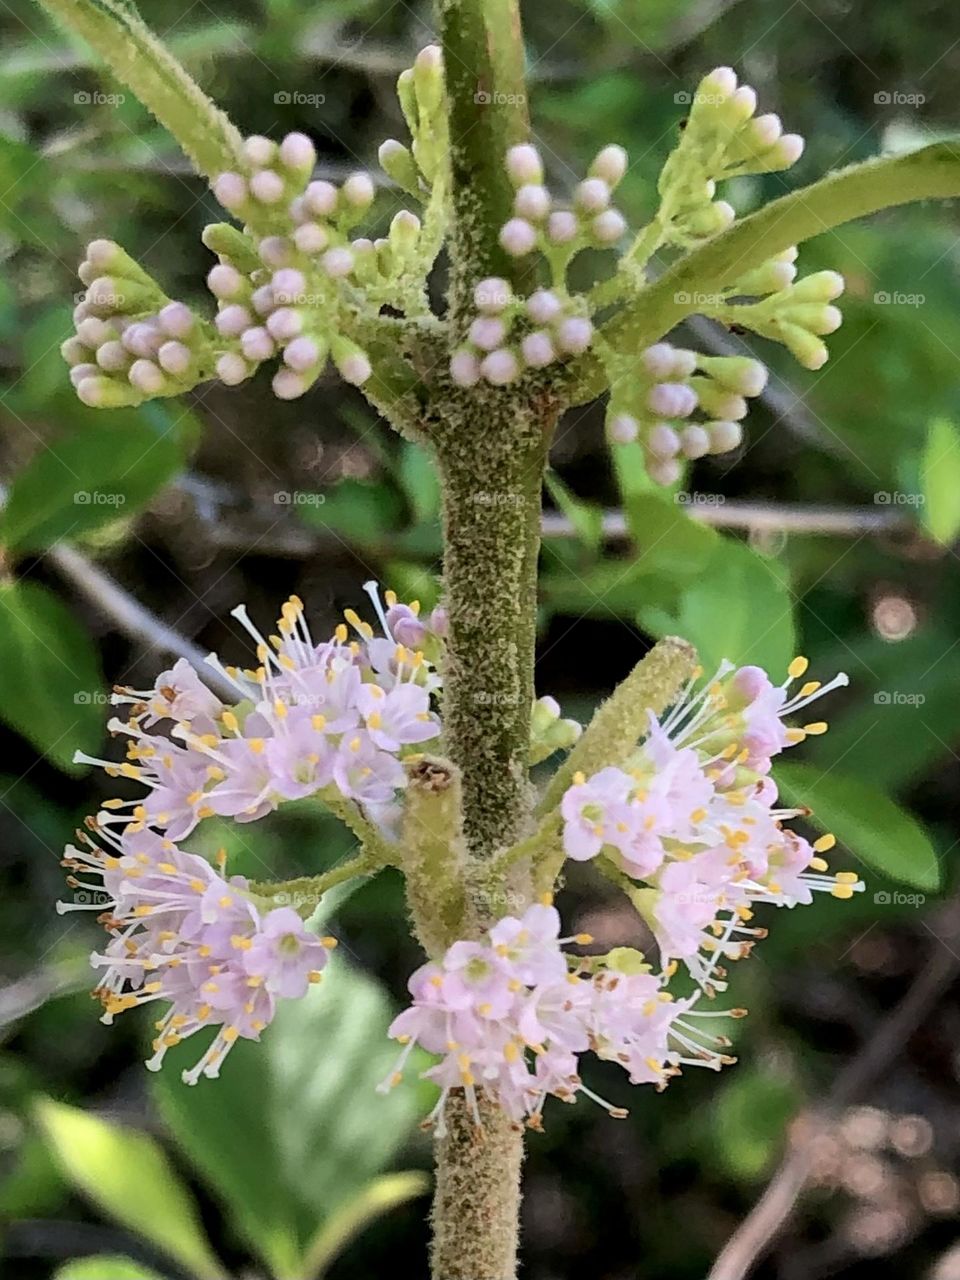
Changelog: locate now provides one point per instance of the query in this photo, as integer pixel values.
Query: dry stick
(770, 1214)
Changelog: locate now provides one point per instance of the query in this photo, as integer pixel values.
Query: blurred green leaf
(940, 480)
(876, 830)
(49, 674)
(668, 541)
(377, 1198)
(318, 1131)
(105, 1268)
(127, 1175)
(748, 1119)
(358, 510)
(586, 517)
(420, 480)
(84, 481)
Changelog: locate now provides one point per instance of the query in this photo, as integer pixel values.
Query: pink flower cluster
(508, 1016)
(311, 717)
(693, 818)
(188, 936)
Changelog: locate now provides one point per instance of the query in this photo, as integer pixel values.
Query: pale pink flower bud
(721, 82)
(609, 226)
(262, 300)
(592, 195)
(743, 103)
(297, 152)
(113, 357)
(518, 237)
(275, 251)
(284, 323)
(337, 263)
(492, 295)
(74, 351)
(788, 150)
(257, 344)
(694, 442)
(92, 391)
(663, 441)
(543, 307)
(664, 471)
(231, 190)
(524, 165)
(500, 367)
(142, 339)
(562, 227)
(765, 130)
(724, 214)
(320, 198)
(102, 253)
(301, 354)
(724, 436)
(232, 320)
(574, 335)
(610, 164)
(225, 281)
(81, 371)
(623, 428)
(358, 191)
(464, 368)
(288, 385)
(176, 319)
(289, 284)
(175, 358)
(532, 202)
(258, 150)
(658, 360)
(311, 237)
(267, 187)
(487, 332)
(146, 377)
(538, 350)
(355, 368)
(232, 369)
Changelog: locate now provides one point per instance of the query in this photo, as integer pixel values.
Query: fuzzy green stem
(433, 852)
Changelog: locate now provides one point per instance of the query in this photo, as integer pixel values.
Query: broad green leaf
(586, 517)
(356, 510)
(104, 1268)
(940, 481)
(376, 1199)
(866, 822)
(87, 480)
(50, 681)
(420, 480)
(119, 35)
(127, 1175)
(737, 609)
(748, 1119)
(668, 542)
(318, 1132)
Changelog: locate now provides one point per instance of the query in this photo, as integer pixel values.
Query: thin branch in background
(770, 1214)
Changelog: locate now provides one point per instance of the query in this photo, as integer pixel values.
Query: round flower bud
(822, 286)
(113, 357)
(574, 335)
(719, 83)
(610, 165)
(102, 254)
(275, 251)
(225, 281)
(609, 226)
(142, 339)
(524, 164)
(337, 263)
(297, 209)
(355, 368)
(543, 307)
(232, 320)
(284, 323)
(311, 237)
(487, 332)
(301, 354)
(74, 351)
(92, 391)
(787, 150)
(518, 237)
(267, 187)
(232, 369)
(562, 227)
(671, 400)
(262, 300)
(663, 441)
(665, 471)
(465, 368)
(492, 295)
(538, 350)
(623, 428)
(231, 190)
(397, 162)
(257, 344)
(742, 105)
(81, 371)
(176, 319)
(358, 191)
(500, 367)
(258, 150)
(684, 363)
(320, 198)
(146, 377)
(694, 442)
(592, 195)
(724, 436)
(404, 231)
(532, 202)
(175, 358)
(288, 385)
(289, 284)
(298, 153)
(765, 130)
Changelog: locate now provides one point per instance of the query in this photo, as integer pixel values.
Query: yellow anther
(825, 842)
(818, 727)
(797, 668)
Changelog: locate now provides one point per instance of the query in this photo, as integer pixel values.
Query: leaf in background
(668, 541)
(420, 480)
(86, 480)
(865, 821)
(748, 1119)
(50, 678)
(297, 1130)
(737, 609)
(357, 510)
(377, 1198)
(586, 517)
(940, 481)
(127, 1175)
(104, 1268)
